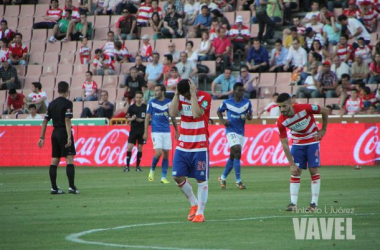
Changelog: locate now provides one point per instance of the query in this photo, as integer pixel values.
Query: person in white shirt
(38, 97)
(309, 89)
(356, 29)
(315, 25)
(191, 11)
(296, 58)
(33, 113)
(314, 11)
(272, 108)
(339, 67)
(353, 105)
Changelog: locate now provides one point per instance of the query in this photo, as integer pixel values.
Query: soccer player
(136, 116)
(191, 154)
(299, 118)
(62, 140)
(238, 110)
(158, 110)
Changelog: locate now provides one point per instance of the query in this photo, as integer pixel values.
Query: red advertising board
(103, 146)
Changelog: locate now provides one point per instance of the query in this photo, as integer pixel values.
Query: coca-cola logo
(367, 148)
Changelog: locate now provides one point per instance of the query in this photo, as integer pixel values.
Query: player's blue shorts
(191, 164)
(306, 155)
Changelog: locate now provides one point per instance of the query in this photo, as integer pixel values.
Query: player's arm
(146, 125)
(195, 109)
(174, 121)
(68, 131)
(43, 131)
(173, 109)
(293, 167)
(325, 117)
(220, 112)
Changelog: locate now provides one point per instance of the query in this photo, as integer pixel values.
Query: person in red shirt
(353, 105)
(168, 65)
(374, 70)
(221, 49)
(52, 16)
(352, 11)
(15, 102)
(18, 51)
(5, 32)
(103, 65)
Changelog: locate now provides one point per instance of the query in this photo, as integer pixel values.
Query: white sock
(315, 186)
(295, 183)
(202, 196)
(187, 189)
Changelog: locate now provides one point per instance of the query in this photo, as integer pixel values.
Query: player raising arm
(191, 154)
(299, 118)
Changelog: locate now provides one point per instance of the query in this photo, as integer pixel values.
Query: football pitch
(124, 210)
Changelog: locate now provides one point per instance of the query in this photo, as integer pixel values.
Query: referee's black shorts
(136, 136)
(58, 142)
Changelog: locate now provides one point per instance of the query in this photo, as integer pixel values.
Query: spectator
(353, 104)
(143, 14)
(175, 53)
(315, 25)
(168, 65)
(6, 34)
(38, 98)
(15, 103)
(202, 22)
(102, 64)
(191, 10)
(376, 48)
(367, 97)
(109, 7)
(318, 48)
(288, 6)
(314, 11)
(52, 16)
(272, 108)
(33, 113)
(77, 30)
(90, 89)
(4, 50)
(331, 32)
(156, 23)
(121, 53)
(99, 6)
(171, 83)
(359, 70)
(205, 47)
(293, 35)
(227, 81)
(299, 28)
(85, 6)
(355, 28)
(274, 12)
(215, 13)
(370, 16)
(340, 68)
(8, 75)
(240, 35)
(331, 4)
(191, 54)
(297, 57)
(257, 58)
(312, 36)
(149, 93)
(178, 7)
(344, 50)
(352, 11)
(187, 69)
(84, 52)
(74, 11)
(310, 86)
(146, 50)
(215, 25)
(156, 8)
(314, 58)
(364, 51)
(278, 57)
(265, 22)
(221, 49)
(131, 5)
(109, 47)
(327, 82)
(132, 83)
(59, 30)
(343, 88)
(225, 5)
(105, 108)
(141, 68)
(172, 23)
(247, 5)
(126, 28)
(17, 51)
(374, 68)
(153, 72)
(247, 80)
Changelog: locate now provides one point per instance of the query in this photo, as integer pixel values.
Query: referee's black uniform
(137, 128)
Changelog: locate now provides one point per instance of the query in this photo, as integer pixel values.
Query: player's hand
(68, 144)
(226, 123)
(193, 88)
(295, 170)
(41, 143)
(176, 135)
(320, 134)
(145, 136)
(249, 116)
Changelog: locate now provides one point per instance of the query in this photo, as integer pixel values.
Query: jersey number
(201, 166)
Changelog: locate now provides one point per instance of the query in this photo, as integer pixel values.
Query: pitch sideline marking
(76, 236)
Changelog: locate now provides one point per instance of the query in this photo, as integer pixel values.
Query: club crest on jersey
(314, 107)
(204, 104)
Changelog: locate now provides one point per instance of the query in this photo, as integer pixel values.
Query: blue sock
(154, 163)
(165, 166)
(237, 169)
(227, 169)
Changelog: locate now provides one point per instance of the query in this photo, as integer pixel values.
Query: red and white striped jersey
(353, 106)
(123, 52)
(109, 48)
(272, 109)
(352, 13)
(4, 53)
(301, 29)
(244, 32)
(97, 62)
(146, 50)
(302, 124)
(18, 50)
(343, 50)
(171, 82)
(369, 19)
(54, 14)
(365, 53)
(84, 52)
(194, 132)
(89, 87)
(75, 15)
(144, 13)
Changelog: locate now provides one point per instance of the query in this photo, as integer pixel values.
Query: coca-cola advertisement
(105, 146)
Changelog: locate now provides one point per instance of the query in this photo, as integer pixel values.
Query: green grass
(31, 218)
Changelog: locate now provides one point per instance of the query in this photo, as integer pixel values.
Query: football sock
(129, 155)
(165, 166)
(202, 196)
(295, 183)
(227, 169)
(315, 186)
(237, 168)
(70, 172)
(154, 163)
(139, 155)
(53, 176)
(188, 192)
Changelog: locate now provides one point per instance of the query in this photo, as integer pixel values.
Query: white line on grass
(76, 236)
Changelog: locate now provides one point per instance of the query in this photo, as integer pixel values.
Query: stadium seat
(47, 82)
(27, 10)
(12, 22)
(3, 96)
(65, 70)
(49, 94)
(97, 45)
(26, 34)
(147, 31)
(49, 70)
(117, 67)
(267, 79)
(284, 89)
(254, 103)
(295, 88)
(372, 87)
(110, 82)
(120, 94)
(67, 58)
(266, 91)
(254, 30)
(112, 93)
(374, 38)
(197, 43)
(214, 107)
(302, 100)
(25, 23)
(41, 9)
(34, 70)
(65, 78)
(28, 84)
(36, 58)
(77, 108)
(39, 35)
(53, 48)
(162, 46)
(101, 33)
(91, 105)
(119, 105)
(262, 103)
(180, 44)
(11, 11)
(133, 47)
(125, 68)
(80, 69)
(316, 101)
(338, 12)
(2, 10)
(114, 19)
(102, 21)
(51, 59)
(283, 78)
(230, 17)
(21, 69)
(69, 47)
(37, 47)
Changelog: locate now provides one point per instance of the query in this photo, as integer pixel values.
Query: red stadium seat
(34, 70)
(317, 101)
(101, 33)
(27, 10)
(80, 69)
(36, 58)
(102, 21)
(21, 69)
(11, 11)
(65, 70)
(230, 17)
(51, 59)
(41, 9)
(77, 107)
(67, 58)
(39, 35)
(69, 47)
(25, 23)
(125, 67)
(53, 47)
(37, 47)
(49, 70)
(110, 81)
(47, 82)
(267, 79)
(28, 84)
(26, 34)
(12, 22)
(283, 78)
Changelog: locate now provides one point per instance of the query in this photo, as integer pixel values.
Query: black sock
(70, 172)
(129, 155)
(139, 155)
(53, 176)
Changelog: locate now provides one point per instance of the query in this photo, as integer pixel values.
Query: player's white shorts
(162, 140)
(235, 139)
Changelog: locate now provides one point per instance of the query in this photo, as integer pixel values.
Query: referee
(62, 141)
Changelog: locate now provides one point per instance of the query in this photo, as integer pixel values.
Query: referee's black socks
(139, 155)
(129, 155)
(53, 176)
(70, 172)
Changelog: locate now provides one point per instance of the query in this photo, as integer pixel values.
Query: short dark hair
(279, 41)
(18, 34)
(133, 68)
(63, 87)
(283, 97)
(275, 94)
(12, 92)
(204, 7)
(37, 85)
(342, 18)
(169, 57)
(256, 40)
(329, 107)
(161, 86)
(344, 35)
(98, 51)
(345, 76)
(244, 67)
(293, 29)
(4, 21)
(367, 90)
(361, 38)
(32, 106)
(238, 84)
(89, 72)
(139, 92)
(183, 86)
(110, 32)
(69, 11)
(355, 90)
(117, 44)
(156, 53)
(227, 68)
(190, 42)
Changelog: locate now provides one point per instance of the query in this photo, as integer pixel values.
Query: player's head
(284, 104)
(238, 90)
(183, 88)
(32, 109)
(159, 91)
(63, 88)
(36, 86)
(139, 97)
